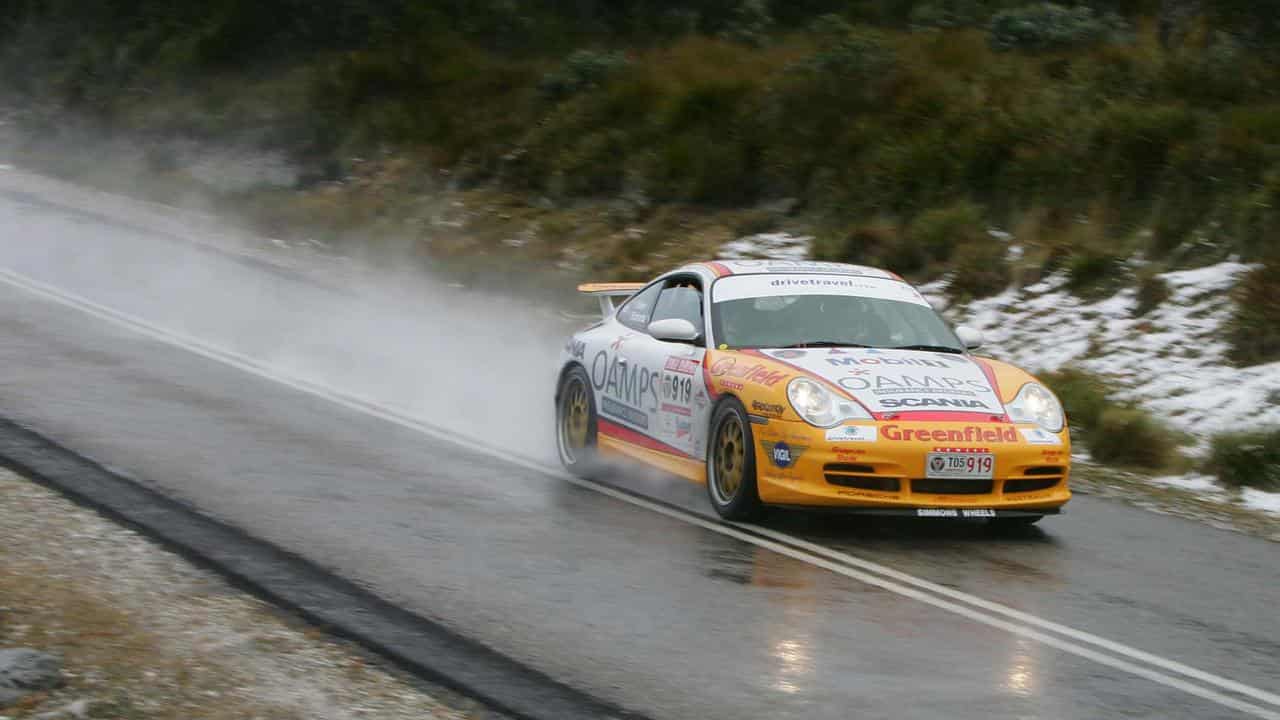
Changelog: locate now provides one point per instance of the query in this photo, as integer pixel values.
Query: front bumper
(886, 475)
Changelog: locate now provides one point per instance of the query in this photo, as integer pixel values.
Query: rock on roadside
(24, 671)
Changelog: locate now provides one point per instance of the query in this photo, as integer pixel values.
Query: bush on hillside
(582, 70)
(1133, 437)
(749, 23)
(950, 14)
(938, 232)
(1047, 26)
(1152, 292)
(1257, 215)
(980, 269)
(1247, 459)
(1083, 395)
(1095, 271)
(850, 64)
(1114, 432)
(877, 243)
(1254, 330)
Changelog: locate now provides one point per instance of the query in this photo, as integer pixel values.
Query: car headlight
(1035, 404)
(819, 406)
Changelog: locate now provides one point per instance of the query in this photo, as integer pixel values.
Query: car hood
(889, 381)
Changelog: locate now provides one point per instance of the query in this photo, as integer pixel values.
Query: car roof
(722, 268)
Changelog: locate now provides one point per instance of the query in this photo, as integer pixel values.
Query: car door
(624, 379)
(682, 402)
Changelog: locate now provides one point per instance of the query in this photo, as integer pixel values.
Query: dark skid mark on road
(296, 584)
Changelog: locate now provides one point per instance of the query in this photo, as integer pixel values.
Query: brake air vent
(862, 477)
(881, 484)
(1044, 470)
(850, 468)
(944, 486)
(1022, 486)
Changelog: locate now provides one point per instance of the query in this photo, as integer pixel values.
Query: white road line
(866, 571)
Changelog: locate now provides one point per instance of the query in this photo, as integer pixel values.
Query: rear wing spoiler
(606, 292)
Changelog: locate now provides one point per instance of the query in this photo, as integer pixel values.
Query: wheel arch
(568, 367)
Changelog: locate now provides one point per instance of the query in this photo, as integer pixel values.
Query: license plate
(965, 466)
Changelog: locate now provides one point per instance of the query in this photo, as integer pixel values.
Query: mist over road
(671, 615)
(478, 363)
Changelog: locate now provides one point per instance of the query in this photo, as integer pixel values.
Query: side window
(635, 312)
(680, 299)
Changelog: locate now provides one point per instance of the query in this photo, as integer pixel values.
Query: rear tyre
(576, 424)
(731, 464)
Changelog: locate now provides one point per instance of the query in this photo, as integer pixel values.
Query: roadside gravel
(145, 634)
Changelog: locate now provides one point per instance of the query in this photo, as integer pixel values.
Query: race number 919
(677, 389)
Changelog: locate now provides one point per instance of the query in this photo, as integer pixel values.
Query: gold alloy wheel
(730, 458)
(575, 419)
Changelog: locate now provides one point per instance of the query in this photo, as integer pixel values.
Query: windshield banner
(739, 287)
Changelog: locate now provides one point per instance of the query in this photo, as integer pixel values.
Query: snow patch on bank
(1267, 502)
(1172, 360)
(768, 246)
(1194, 482)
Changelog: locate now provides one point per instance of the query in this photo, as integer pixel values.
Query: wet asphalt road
(647, 611)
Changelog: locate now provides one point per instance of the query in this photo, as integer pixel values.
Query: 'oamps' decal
(627, 385)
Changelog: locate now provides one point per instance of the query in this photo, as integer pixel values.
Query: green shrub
(939, 231)
(950, 14)
(850, 69)
(1254, 330)
(1134, 142)
(1247, 459)
(1095, 271)
(582, 70)
(749, 23)
(1084, 396)
(1114, 432)
(1152, 292)
(1133, 437)
(1047, 26)
(979, 269)
(1256, 216)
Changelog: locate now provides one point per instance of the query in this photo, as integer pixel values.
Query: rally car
(808, 384)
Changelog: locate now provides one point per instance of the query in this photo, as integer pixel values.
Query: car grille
(942, 486)
(859, 476)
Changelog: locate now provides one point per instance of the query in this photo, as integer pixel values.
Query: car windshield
(776, 311)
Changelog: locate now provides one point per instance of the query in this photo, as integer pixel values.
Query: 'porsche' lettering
(970, 434)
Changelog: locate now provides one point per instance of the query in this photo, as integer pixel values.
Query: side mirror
(971, 338)
(674, 330)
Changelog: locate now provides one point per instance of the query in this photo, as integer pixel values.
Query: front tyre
(731, 464)
(576, 423)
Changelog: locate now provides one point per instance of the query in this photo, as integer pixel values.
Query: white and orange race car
(809, 384)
